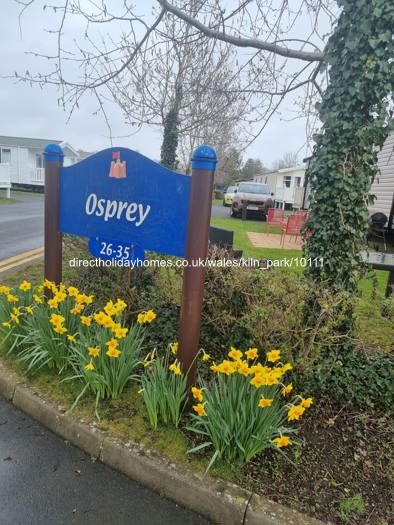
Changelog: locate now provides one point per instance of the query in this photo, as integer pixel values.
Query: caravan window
(39, 160)
(5, 156)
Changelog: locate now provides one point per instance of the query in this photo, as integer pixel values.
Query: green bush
(352, 377)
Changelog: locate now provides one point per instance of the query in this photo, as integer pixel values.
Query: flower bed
(241, 411)
(240, 423)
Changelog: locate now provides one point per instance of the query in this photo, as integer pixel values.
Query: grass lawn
(242, 242)
(3, 200)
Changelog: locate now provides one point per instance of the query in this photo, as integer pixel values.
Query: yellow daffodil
(12, 298)
(48, 284)
(286, 389)
(77, 309)
(72, 338)
(271, 380)
(260, 370)
(215, 368)
(282, 441)
(197, 393)
(263, 403)
(113, 343)
(226, 367)
(306, 403)
(295, 412)
(287, 367)
(150, 316)
(29, 310)
(108, 322)
(99, 317)
(60, 297)
(87, 321)
(175, 369)
(252, 353)
(72, 291)
(37, 299)
(56, 319)
(277, 372)
(120, 305)
(4, 290)
(52, 303)
(149, 358)
(121, 332)
(93, 351)
(16, 311)
(113, 352)
(243, 368)
(110, 308)
(174, 347)
(199, 408)
(60, 329)
(84, 299)
(6, 324)
(257, 381)
(14, 318)
(273, 356)
(206, 357)
(235, 354)
(25, 286)
(89, 366)
(141, 318)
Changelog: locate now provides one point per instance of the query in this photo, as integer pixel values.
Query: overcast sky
(31, 112)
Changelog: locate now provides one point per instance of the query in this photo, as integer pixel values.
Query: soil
(341, 470)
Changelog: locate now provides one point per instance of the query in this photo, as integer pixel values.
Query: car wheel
(224, 202)
(234, 213)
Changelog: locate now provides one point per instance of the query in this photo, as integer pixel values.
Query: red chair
(302, 215)
(275, 217)
(291, 227)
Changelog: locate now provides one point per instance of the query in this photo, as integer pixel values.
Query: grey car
(255, 197)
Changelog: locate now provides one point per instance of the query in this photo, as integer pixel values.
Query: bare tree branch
(242, 42)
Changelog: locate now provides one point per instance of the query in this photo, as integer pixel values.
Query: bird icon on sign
(118, 168)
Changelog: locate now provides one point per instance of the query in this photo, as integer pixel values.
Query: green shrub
(352, 377)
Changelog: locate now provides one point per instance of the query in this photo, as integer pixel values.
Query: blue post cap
(53, 153)
(204, 158)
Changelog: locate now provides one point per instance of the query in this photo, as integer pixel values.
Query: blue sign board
(116, 251)
(121, 195)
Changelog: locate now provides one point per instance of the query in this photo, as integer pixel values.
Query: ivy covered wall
(356, 113)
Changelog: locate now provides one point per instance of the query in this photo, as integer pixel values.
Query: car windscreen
(253, 188)
(231, 189)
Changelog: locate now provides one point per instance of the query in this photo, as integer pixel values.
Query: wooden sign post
(126, 204)
(203, 168)
(53, 162)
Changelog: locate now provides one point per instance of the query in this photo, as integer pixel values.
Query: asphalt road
(21, 224)
(220, 212)
(45, 481)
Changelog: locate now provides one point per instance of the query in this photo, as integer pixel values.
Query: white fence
(5, 178)
(37, 175)
(284, 194)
